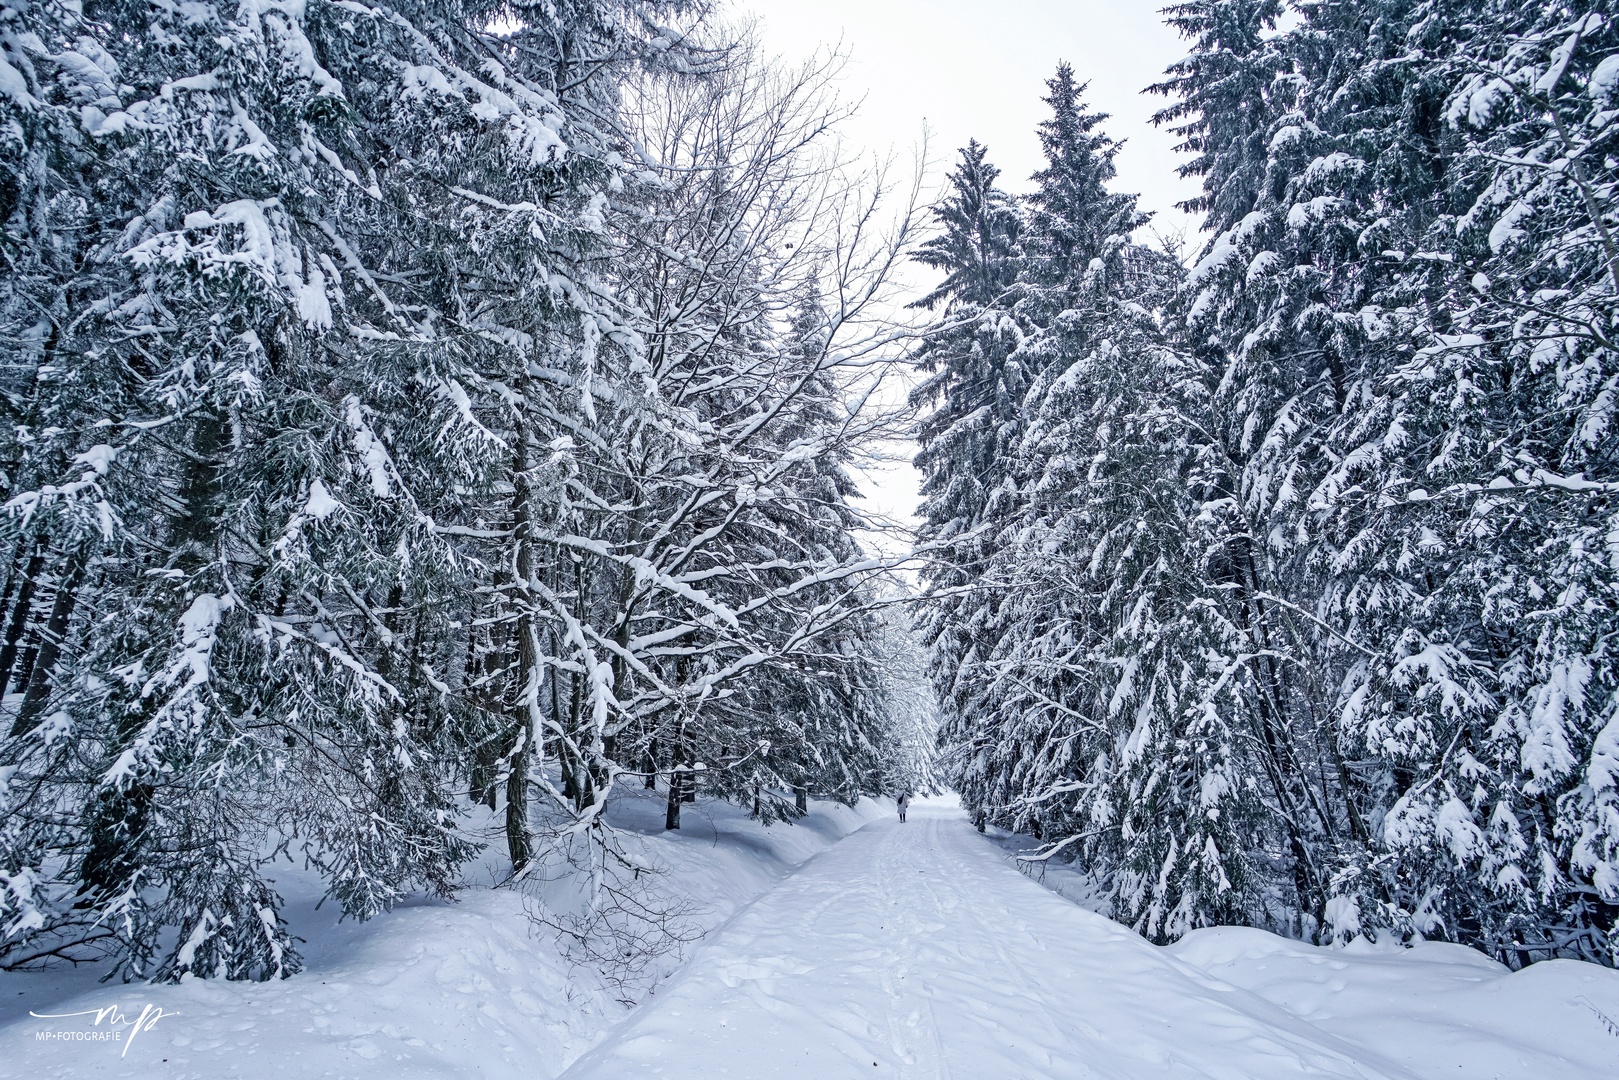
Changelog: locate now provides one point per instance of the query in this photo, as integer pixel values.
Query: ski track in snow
(916, 951)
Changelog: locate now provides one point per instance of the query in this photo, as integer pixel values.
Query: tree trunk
(19, 615)
(50, 647)
(801, 798)
(671, 814)
(570, 776)
(484, 779)
(688, 790)
(25, 670)
(117, 828)
(18, 622)
(518, 844)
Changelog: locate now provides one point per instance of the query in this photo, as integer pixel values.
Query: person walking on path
(903, 804)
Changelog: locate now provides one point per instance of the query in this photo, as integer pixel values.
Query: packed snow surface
(918, 951)
(914, 950)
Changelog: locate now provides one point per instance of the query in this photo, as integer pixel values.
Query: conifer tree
(974, 388)
(1306, 574)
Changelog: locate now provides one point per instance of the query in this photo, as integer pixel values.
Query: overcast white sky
(968, 68)
(974, 69)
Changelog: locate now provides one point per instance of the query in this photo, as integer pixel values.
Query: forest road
(917, 951)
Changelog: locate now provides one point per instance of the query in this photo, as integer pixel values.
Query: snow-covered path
(916, 951)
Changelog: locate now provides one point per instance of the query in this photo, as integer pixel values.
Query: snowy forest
(427, 411)
(409, 408)
(1276, 583)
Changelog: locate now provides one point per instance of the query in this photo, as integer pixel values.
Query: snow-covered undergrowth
(472, 987)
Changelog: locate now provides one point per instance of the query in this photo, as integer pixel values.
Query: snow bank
(434, 989)
(1435, 1008)
(1440, 1010)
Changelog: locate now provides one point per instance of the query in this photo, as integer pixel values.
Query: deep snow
(470, 989)
(912, 951)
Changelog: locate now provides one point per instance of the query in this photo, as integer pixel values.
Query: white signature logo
(118, 1024)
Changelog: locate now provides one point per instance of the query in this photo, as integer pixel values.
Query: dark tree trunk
(25, 670)
(671, 814)
(50, 647)
(195, 533)
(570, 776)
(484, 780)
(19, 615)
(688, 787)
(117, 826)
(12, 581)
(518, 844)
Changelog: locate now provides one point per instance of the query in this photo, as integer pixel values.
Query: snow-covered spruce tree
(1379, 319)
(1269, 365)
(1221, 93)
(267, 264)
(1479, 576)
(1091, 729)
(974, 389)
(1313, 145)
(1338, 716)
(1076, 226)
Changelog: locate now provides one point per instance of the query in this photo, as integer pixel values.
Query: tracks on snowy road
(916, 951)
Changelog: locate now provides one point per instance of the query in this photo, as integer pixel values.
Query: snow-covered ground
(918, 951)
(1436, 1009)
(913, 950)
(469, 989)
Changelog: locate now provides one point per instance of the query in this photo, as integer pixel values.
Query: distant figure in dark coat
(903, 804)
